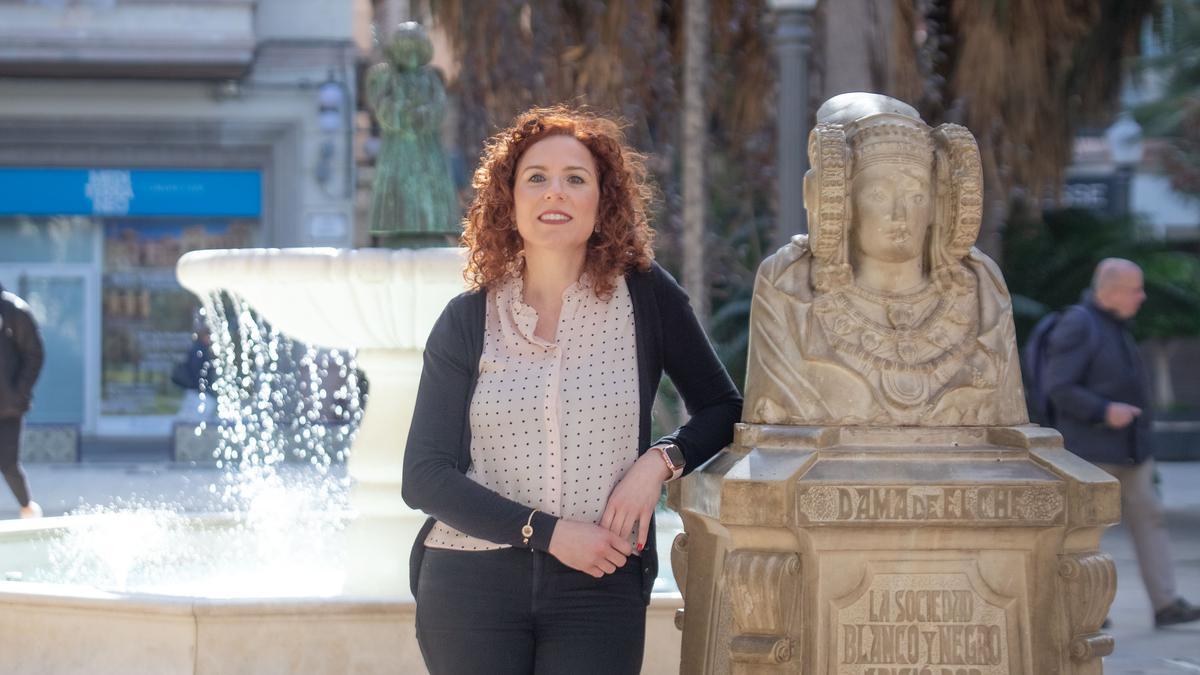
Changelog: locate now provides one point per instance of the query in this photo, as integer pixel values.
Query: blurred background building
(133, 131)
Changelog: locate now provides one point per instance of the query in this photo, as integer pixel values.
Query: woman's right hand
(588, 548)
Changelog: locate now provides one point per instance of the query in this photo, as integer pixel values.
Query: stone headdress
(856, 130)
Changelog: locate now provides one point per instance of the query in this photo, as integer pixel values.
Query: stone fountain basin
(58, 630)
(65, 628)
(51, 629)
(382, 303)
(344, 298)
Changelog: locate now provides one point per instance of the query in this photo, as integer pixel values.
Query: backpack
(1035, 359)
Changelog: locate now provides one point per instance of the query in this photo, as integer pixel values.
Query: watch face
(676, 455)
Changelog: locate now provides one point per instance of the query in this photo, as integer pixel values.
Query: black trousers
(10, 453)
(514, 611)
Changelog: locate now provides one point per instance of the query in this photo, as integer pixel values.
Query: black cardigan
(669, 338)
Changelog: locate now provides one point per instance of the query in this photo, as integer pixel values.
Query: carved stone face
(892, 208)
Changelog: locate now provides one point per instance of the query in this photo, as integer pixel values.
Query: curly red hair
(623, 240)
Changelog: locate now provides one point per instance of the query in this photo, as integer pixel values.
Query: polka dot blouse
(554, 425)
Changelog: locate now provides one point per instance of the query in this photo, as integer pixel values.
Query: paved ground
(1141, 650)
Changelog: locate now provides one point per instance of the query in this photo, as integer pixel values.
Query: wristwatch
(674, 459)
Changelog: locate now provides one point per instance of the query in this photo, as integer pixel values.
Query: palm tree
(1023, 75)
(693, 153)
(626, 57)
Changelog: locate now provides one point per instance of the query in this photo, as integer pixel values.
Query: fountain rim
(84, 597)
(209, 270)
(77, 595)
(66, 594)
(69, 595)
(17, 526)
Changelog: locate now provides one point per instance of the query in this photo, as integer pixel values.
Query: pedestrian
(21, 357)
(530, 443)
(1100, 401)
(194, 374)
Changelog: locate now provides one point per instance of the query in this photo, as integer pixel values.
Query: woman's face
(556, 194)
(892, 209)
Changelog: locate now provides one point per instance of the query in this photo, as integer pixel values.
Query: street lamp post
(1126, 148)
(793, 45)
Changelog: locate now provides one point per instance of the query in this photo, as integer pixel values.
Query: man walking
(21, 358)
(1100, 402)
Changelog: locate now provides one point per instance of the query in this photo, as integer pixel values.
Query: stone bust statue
(885, 314)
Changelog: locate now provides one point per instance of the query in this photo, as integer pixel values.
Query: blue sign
(133, 192)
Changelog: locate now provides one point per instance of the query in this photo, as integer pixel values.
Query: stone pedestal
(895, 551)
(885, 507)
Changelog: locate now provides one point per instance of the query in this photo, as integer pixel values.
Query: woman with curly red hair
(530, 444)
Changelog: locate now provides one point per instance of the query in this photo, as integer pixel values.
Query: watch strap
(664, 452)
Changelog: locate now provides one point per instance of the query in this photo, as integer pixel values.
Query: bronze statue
(413, 197)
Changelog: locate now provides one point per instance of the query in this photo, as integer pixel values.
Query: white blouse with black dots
(554, 425)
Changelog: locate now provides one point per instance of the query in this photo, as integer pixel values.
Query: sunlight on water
(270, 551)
(284, 413)
(275, 398)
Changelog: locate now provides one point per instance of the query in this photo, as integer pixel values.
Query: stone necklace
(907, 339)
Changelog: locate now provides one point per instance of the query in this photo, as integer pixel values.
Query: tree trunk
(995, 203)
(693, 154)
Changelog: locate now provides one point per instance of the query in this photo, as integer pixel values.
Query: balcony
(202, 39)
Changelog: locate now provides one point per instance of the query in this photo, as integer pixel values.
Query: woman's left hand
(635, 496)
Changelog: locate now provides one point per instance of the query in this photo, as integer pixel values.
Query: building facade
(133, 131)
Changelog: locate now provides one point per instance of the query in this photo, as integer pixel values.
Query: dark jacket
(21, 355)
(668, 338)
(1092, 361)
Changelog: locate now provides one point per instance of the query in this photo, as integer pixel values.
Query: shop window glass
(148, 318)
(58, 304)
(41, 239)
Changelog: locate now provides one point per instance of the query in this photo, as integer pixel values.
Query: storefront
(93, 251)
